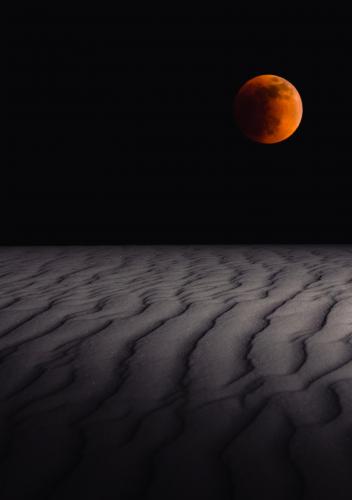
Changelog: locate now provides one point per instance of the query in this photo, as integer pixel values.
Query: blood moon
(268, 109)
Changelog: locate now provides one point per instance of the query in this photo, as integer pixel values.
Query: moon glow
(268, 109)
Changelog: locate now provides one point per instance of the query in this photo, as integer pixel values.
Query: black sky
(121, 130)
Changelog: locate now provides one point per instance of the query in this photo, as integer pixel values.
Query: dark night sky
(121, 130)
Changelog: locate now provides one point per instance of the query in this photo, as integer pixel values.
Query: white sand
(176, 372)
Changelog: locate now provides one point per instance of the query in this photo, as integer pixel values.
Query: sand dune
(176, 373)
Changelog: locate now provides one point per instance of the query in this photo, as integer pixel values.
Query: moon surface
(268, 109)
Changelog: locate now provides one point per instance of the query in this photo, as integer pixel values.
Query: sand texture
(172, 373)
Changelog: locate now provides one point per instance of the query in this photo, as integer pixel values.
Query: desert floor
(186, 372)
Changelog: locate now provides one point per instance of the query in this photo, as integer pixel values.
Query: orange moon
(268, 109)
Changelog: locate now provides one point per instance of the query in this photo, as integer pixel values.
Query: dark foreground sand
(176, 372)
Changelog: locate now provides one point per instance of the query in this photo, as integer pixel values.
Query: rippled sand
(176, 372)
